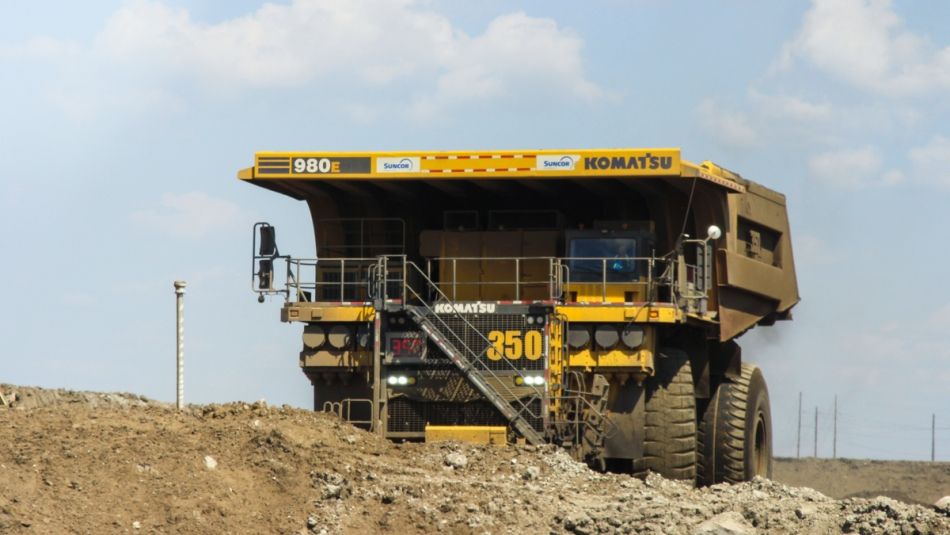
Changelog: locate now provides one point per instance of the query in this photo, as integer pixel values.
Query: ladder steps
(468, 367)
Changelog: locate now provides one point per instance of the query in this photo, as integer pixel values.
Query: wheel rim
(760, 454)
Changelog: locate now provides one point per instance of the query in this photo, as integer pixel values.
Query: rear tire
(669, 447)
(734, 437)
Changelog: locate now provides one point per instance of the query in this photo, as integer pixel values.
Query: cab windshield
(588, 257)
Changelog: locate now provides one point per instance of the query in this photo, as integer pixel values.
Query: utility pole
(834, 432)
(180, 385)
(815, 455)
(933, 437)
(798, 441)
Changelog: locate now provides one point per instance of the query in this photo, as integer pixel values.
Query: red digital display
(406, 346)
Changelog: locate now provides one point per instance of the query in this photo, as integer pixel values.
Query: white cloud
(853, 169)
(516, 51)
(731, 127)
(281, 45)
(791, 107)
(766, 118)
(194, 214)
(417, 55)
(932, 162)
(865, 43)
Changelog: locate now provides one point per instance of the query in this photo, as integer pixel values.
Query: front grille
(484, 325)
(443, 383)
(411, 416)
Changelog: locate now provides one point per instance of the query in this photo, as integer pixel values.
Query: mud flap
(626, 421)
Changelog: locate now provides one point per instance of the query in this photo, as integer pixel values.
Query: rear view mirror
(268, 245)
(265, 274)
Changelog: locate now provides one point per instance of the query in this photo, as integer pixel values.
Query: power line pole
(798, 442)
(933, 437)
(815, 454)
(834, 432)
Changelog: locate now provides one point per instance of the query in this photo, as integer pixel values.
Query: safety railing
(663, 280)
(344, 410)
(328, 279)
(603, 273)
(518, 277)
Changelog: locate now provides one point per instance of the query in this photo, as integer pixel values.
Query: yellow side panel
(555, 362)
(615, 358)
(595, 292)
(308, 312)
(636, 314)
(466, 165)
(476, 434)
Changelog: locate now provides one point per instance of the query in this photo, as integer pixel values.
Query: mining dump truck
(585, 298)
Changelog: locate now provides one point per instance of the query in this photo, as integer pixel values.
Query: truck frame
(589, 298)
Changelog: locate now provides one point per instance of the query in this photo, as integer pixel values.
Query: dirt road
(112, 463)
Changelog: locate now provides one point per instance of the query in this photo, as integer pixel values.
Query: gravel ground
(79, 462)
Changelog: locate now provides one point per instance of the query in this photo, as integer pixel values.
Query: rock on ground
(728, 523)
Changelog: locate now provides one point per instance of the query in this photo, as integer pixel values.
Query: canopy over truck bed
(754, 271)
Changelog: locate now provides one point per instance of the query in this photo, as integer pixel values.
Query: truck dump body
(529, 289)
(754, 264)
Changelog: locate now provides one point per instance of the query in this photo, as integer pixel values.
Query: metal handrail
(344, 409)
(518, 282)
(355, 274)
(298, 268)
(652, 282)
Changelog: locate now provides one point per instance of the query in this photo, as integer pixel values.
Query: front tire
(734, 436)
(669, 447)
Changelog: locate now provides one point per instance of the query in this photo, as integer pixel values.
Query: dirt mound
(908, 481)
(94, 463)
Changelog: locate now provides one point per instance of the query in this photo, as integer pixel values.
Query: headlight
(400, 380)
(529, 380)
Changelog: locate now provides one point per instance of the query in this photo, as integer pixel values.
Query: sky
(125, 122)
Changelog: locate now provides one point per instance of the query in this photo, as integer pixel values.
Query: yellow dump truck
(589, 298)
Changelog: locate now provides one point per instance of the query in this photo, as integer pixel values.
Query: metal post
(798, 443)
(815, 455)
(405, 280)
(834, 432)
(297, 280)
(550, 279)
(933, 437)
(650, 268)
(517, 277)
(180, 301)
(379, 404)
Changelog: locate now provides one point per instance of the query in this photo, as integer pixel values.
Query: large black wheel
(734, 436)
(669, 447)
